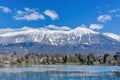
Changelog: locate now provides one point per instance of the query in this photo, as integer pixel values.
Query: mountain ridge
(45, 40)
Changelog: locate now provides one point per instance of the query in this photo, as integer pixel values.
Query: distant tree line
(76, 59)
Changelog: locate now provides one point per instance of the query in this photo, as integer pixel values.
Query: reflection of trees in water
(60, 75)
(117, 73)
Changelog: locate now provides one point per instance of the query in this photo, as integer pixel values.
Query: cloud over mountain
(5, 9)
(96, 26)
(64, 28)
(104, 18)
(28, 14)
(52, 14)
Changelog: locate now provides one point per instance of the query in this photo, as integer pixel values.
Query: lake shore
(59, 59)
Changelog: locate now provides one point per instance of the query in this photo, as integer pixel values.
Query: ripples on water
(59, 72)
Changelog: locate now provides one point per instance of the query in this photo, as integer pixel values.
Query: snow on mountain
(56, 40)
(52, 36)
(113, 36)
(44, 35)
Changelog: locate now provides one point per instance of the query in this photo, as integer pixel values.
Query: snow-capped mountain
(113, 36)
(44, 40)
(46, 36)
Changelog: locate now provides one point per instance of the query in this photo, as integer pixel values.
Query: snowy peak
(57, 40)
(26, 30)
(47, 36)
(63, 36)
(83, 30)
(113, 36)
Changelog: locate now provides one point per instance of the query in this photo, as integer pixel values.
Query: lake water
(61, 72)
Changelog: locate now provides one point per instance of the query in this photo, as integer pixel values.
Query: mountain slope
(113, 36)
(46, 36)
(43, 40)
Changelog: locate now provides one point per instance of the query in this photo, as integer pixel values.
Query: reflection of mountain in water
(55, 75)
(61, 72)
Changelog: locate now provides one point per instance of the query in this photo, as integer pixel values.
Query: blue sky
(99, 15)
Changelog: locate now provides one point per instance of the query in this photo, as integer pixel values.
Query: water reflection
(60, 73)
(59, 76)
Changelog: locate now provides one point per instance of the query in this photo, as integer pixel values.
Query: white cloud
(52, 14)
(114, 10)
(104, 18)
(118, 15)
(83, 25)
(28, 14)
(5, 9)
(96, 26)
(53, 27)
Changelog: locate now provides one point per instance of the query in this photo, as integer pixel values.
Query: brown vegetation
(79, 59)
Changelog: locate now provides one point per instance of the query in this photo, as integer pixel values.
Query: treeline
(77, 59)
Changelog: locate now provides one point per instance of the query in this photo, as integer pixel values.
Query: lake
(60, 72)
